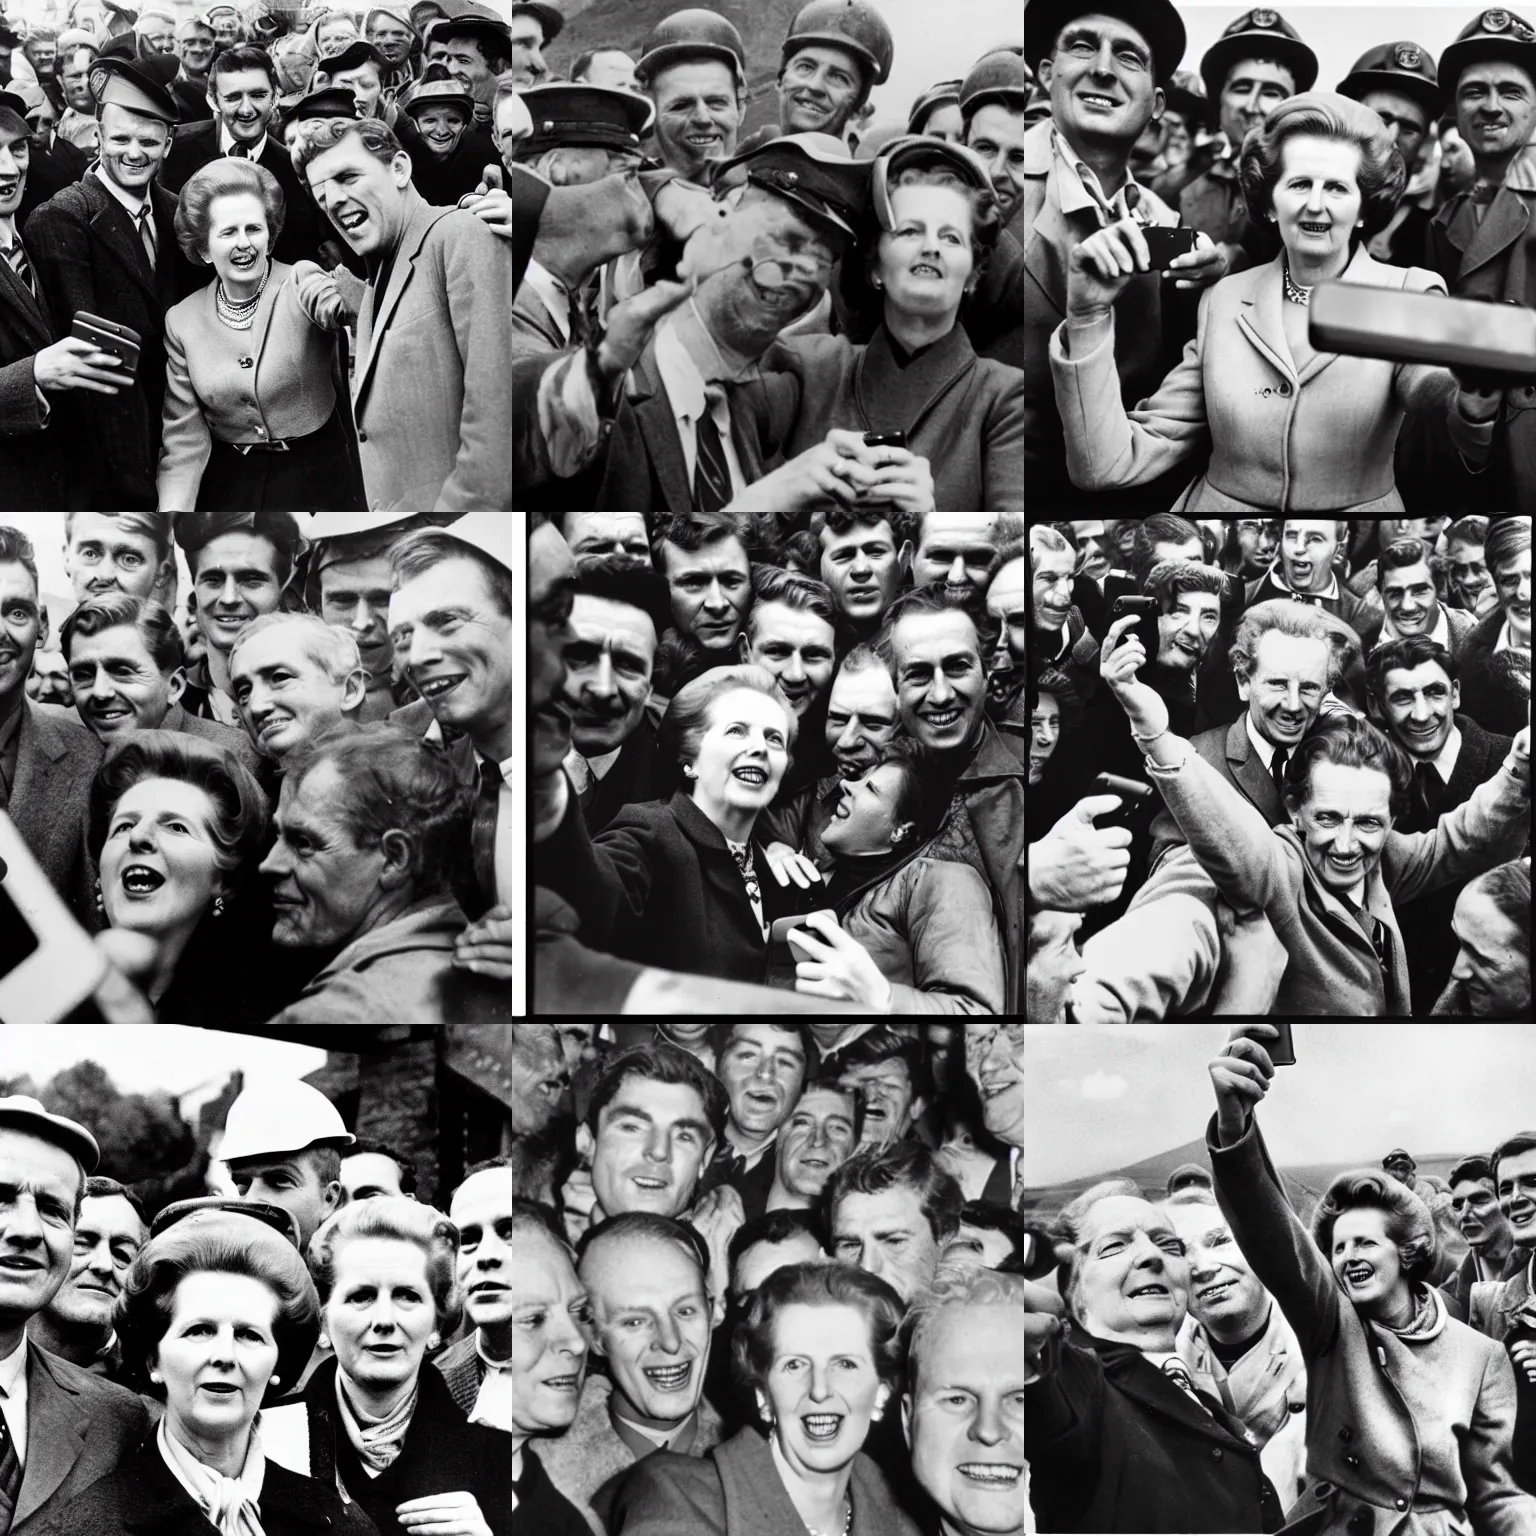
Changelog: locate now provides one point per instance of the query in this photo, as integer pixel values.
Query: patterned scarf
(231, 1503)
(377, 1441)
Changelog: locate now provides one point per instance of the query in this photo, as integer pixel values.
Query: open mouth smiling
(1153, 1289)
(668, 1378)
(822, 1426)
(995, 1475)
(1358, 1274)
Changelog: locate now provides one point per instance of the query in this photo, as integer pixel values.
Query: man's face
(816, 1141)
(1132, 1278)
(362, 197)
(1290, 677)
(955, 549)
(939, 682)
(44, 53)
(612, 67)
(457, 646)
(467, 62)
(1044, 733)
(1513, 581)
(158, 35)
(116, 685)
(482, 1211)
(101, 557)
(236, 581)
(861, 719)
(38, 1181)
(354, 595)
(763, 1069)
(132, 147)
(1306, 553)
(1005, 603)
(540, 1080)
(1052, 578)
(108, 1234)
(1516, 1184)
(366, 1174)
(997, 135)
(365, 85)
(226, 28)
(653, 1139)
(1408, 594)
(607, 533)
(964, 1418)
(994, 1059)
(195, 49)
(1405, 118)
(1223, 1289)
(391, 37)
(49, 679)
(796, 647)
(711, 591)
(1420, 705)
(244, 101)
(1252, 88)
(1100, 76)
(1344, 823)
(608, 672)
(652, 1316)
(286, 698)
(323, 885)
(1469, 579)
(1091, 546)
(818, 89)
(888, 1236)
(1475, 1210)
(551, 595)
(74, 82)
(697, 114)
(21, 626)
(863, 567)
(1493, 963)
(891, 1103)
(1495, 109)
(754, 1265)
(291, 1181)
(1185, 634)
(528, 66)
(1257, 540)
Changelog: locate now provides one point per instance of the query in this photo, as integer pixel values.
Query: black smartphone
(1145, 628)
(885, 439)
(1283, 1051)
(783, 953)
(1164, 244)
(1131, 795)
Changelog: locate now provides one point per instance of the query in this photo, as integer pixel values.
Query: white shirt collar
(1265, 749)
(127, 199)
(553, 295)
(13, 1367)
(1440, 634)
(1276, 575)
(1445, 759)
(684, 382)
(227, 143)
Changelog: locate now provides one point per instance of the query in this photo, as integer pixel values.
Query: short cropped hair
(692, 531)
(1325, 114)
(331, 648)
(625, 579)
(1508, 887)
(279, 529)
(99, 1188)
(662, 1062)
(1505, 539)
(1474, 1167)
(396, 783)
(1169, 580)
(966, 1289)
(1399, 555)
(1409, 652)
(904, 1165)
(929, 599)
(241, 815)
(16, 549)
(316, 135)
(816, 1283)
(402, 1160)
(1521, 1141)
(686, 721)
(647, 1224)
(406, 1221)
(1409, 1223)
(774, 1226)
(1351, 743)
(113, 610)
(423, 548)
(904, 524)
(151, 525)
(241, 56)
(584, 59)
(805, 594)
(224, 177)
(1298, 620)
(225, 1243)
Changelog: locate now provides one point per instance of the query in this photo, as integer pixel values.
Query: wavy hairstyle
(1350, 743)
(686, 721)
(1409, 1224)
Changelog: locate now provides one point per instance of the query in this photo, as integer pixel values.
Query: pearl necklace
(1293, 290)
(847, 1522)
(238, 316)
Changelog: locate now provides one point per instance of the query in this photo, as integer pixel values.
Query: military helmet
(849, 24)
(689, 34)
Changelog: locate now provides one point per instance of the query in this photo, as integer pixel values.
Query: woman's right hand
(75, 363)
(1099, 268)
(785, 865)
(1240, 1076)
(443, 1514)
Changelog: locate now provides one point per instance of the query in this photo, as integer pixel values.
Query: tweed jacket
(32, 452)
(962, 413)
(1333, 968)
(56, 760)
(1318, 440)
(588, 1461)
(430, 394)
(534, 330)
(1413, 1429)
(1116, 1447)
(79, 1427)
(1494, 691)
(736, 1491)
(463, 1370)
(210, 393)
(1458, 1289)
(87, 255)
(226, 736)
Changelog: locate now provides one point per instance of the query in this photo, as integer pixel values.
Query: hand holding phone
(1145, 628)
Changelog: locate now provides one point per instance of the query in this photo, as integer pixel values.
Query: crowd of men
(687, 1163)
(886, 793)
(355, 688)
(1320, 731)
(102, 125)
(666, 258)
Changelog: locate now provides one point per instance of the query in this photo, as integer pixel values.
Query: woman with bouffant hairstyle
(219, 1311)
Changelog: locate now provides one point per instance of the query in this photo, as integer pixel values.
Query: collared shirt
(227, 143)
(685, 380)
(1331, 595)
(1440, 634)
(751, 1159)
(1445, 759)
(1079, 188)
(1265, 749)
(131, 203)
(587, 771)
(553, 295)
(13, 1397)
(652, 1439)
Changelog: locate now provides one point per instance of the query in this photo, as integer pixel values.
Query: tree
(141, 1136)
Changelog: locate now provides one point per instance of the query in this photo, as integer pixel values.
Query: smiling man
(790, 632)
(1411, 600)
(835, 53)
(954, 550)
(994, 1061)
(820, 1135)
(1305, 571)
(295, 680)
(693, 68)
(889, 1074)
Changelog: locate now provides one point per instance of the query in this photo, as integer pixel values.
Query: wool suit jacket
(79, 1428)
(56, 761)
(290, 390)
(430, 395)
(1317, 440)
(32, 449)
(1494, 691)
(637, 775)
(88, 256)
(226, 736)
(736, 1491)
(463, 1370)
(195, 145)
(534, 330)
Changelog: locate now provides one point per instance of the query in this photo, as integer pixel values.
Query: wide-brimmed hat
(1258, 34)
(1404, 67)
(1492, 34)
(1157, 20)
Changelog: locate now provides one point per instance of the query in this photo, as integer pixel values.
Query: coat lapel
(419, 219)
(16, 295)
(888, 394)
(1259, 319)
(1507, 219)
(658, 426)
(120, 235)
(262, 323)
(56, 1430)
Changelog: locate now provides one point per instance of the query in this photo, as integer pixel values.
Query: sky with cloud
(1101, 1097)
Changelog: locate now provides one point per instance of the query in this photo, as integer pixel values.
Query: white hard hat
(489, 532)
(275, 1117)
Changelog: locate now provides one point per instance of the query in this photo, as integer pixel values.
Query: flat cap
(353, 56)
(123, 83)
(333, 101)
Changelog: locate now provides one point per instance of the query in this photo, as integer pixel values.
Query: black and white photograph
(1279, 767)
(256, 768)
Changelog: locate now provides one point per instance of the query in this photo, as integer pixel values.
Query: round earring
(218, 906)
(101, 906)
(433, 1342)
(877, 283)
(155, 1377)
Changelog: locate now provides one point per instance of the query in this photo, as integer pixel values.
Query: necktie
(18, 260)
(483, 830)
(10, 1477)
(1375, 930)
(147, 232)
(1277, 770)
(240, 151)
(711, 475)
(1428, 794)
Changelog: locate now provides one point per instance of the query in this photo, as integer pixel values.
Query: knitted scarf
(377, 1441)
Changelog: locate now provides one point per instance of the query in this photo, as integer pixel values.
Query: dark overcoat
(32, 448)
(637, 775)
(1495, 692)
(88, 256)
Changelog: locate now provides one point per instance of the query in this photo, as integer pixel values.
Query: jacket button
(1346, 1433)
(1285, 389)
(362, 437)
(1351, 1461)
(1215, 1453)
(1400, 1503)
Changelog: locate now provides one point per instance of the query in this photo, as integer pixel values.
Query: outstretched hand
(1120, 658)
(1240, 1076)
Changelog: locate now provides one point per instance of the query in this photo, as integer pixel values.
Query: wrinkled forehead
(1122, 1213)
(598, 618)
